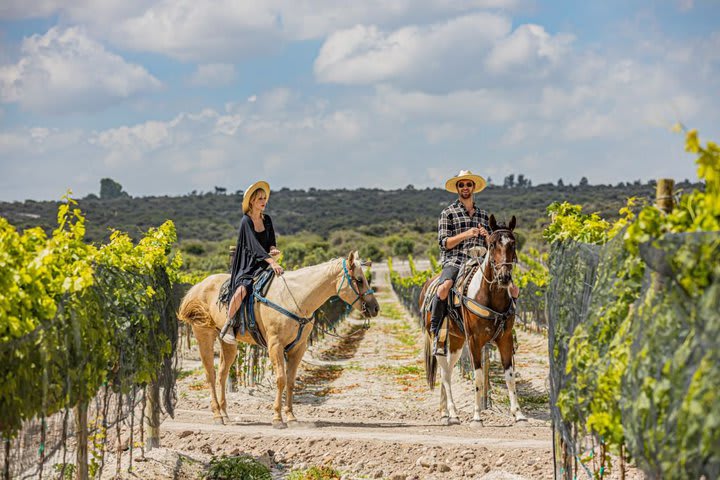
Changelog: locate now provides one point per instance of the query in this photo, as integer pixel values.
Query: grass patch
(392, 310)
(188, 373)
(243, 466)
(315, 473)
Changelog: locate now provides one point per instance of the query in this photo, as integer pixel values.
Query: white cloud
(529, 47)
(66, 70)
(213, 75)
(366, 55)
(225, 30)
(469, 51)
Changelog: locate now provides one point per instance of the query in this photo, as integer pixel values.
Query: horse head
(501, 250)
(354, 288)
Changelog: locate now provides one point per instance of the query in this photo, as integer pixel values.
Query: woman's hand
(277, 268)
(274, 252)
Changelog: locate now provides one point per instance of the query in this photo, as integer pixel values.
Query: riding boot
(229, 331)
(439, 308)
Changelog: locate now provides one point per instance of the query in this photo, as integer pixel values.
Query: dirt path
(365, 409)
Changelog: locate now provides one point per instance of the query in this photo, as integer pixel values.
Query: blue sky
(174, 96)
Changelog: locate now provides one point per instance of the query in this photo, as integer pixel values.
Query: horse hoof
(476, 424)
(218, 421)
(520, 418)
(454, 421)
(445, 420)
(293, 423)
(278, 425)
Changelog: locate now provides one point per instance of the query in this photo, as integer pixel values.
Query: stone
(443, 467)
(185, 433)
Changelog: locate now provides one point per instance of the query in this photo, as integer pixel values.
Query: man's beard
(467, 195)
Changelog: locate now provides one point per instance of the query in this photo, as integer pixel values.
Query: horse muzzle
(371, 308)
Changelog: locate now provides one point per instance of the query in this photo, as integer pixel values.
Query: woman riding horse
(256, 247)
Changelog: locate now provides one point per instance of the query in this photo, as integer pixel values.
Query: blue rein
(304, 321)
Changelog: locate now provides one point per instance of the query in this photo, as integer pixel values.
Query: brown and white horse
(299, 292)
(488, 314)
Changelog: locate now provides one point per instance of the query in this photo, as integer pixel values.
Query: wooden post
(485, 363)
(81, 454)
(664, 194)
(152, 414)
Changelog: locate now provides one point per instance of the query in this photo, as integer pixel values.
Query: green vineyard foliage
(629, 365)
(75, 316)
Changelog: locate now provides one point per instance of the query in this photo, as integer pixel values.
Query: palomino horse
(487, 314)
(299, 293)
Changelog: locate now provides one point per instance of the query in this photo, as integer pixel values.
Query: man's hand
(473, 232)
(274, 252)
(483, 232)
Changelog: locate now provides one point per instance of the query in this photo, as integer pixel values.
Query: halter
(356, 291)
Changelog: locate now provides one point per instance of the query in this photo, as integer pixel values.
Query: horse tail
(430, 362)
(195, 312)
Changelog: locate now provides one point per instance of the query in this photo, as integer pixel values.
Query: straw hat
(249, 191)
(451, 184)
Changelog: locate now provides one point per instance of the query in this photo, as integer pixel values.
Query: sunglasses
(465, 184)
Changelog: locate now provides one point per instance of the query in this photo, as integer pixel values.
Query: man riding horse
(461, 227)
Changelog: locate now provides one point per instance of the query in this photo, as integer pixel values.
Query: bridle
(497, 265)
(355, 286)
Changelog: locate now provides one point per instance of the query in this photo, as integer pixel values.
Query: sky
(166, 97)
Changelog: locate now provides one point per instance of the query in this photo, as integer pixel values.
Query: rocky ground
(365, 409)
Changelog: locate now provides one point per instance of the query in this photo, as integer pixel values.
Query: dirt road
(364, 408)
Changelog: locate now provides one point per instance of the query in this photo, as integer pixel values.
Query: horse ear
(511, 227)
(493, 223)
(351, 258)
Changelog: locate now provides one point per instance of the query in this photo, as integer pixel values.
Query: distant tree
(523, 182)
(489, 180)
(220, 190)
(370, 251)
(403, 247)
(509, 181)
(410, 187)
(109, 188)
(583, 182)
(90, 196)
(560, 182)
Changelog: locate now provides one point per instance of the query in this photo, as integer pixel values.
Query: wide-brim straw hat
(249, 191)
(480, 184)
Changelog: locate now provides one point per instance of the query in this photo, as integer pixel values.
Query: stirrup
(439, 349)
(227, 334)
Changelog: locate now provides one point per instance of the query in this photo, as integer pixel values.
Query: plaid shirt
(455, 219)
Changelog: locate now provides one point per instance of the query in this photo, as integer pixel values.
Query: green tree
(403, 247)
(109, 188)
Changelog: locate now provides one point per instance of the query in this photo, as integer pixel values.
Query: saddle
(245, 315)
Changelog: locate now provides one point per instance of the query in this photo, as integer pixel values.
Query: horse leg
(227, 358)
(476, 350)
(278, 360)
(505, 346)
(206, 342)
(293, 362)
(446, 367)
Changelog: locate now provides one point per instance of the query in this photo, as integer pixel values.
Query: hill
(212, 217)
